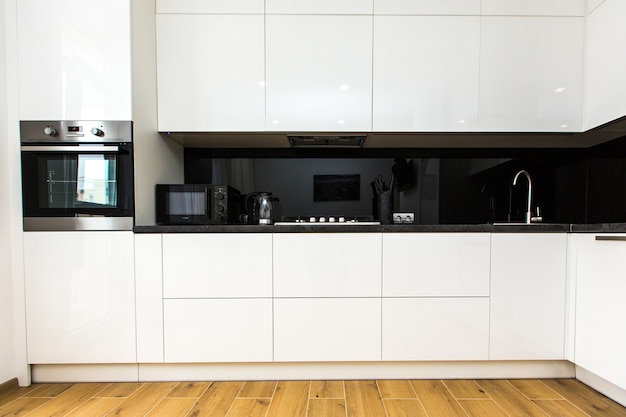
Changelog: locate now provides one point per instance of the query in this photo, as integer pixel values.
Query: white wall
(157, 160)
(12, 321)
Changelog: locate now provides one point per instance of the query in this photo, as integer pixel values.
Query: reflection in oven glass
(82, 182)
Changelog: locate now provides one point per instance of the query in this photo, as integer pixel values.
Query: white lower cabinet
(327, 264)
(80, 297)
(327, 329)
(528, 287)
(436, 264)
(600, 308)
(435, 329)
(218, 330)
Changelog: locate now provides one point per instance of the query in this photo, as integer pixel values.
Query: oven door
(78, 187)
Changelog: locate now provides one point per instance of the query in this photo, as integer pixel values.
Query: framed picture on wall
(336, 187)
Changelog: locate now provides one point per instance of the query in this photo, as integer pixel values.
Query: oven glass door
(73, 181)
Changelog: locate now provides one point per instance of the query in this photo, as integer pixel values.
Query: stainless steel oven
(77, 175)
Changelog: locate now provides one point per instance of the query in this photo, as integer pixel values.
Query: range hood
(326, 141)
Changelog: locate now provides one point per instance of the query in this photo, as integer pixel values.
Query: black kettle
(262, 207)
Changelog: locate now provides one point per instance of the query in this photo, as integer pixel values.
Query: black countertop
(391, 228)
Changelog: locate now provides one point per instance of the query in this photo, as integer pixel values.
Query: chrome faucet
(530, 194)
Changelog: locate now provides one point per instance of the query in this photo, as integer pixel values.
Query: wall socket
(403, 218)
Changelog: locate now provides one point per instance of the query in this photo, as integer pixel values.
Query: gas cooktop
(327, 221)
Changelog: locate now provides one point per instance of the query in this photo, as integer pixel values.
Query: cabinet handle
(614, 238)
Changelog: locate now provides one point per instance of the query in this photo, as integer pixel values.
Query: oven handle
(77, 149)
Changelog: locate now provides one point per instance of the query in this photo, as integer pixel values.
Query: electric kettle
(262, 207)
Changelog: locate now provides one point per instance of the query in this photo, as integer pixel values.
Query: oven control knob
(322, 219)
(312, 219)
(50, 131)
(331, 220)
(342, 219)
(219, 196)
(97, 132)
(220, 209)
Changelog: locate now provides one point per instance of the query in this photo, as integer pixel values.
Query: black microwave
(197, 204)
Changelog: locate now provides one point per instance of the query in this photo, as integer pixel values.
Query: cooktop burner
(327, 221)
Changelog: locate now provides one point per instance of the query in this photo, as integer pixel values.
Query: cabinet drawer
(436, 264)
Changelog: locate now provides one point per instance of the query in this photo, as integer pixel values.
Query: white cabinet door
(533, 7)
(528, 287)
(600, 308)
(428, 7)
(531, 74)
(211, 72)
(327, 329)
(74, 60)
(436, 264)
(605, 64)
(218, 330)
(210, 6)
(149, 297)
(319, 73)
(327, 264)
(426, 73)
(435, 329)
(318, 7)
(80, 297)
(217, 265)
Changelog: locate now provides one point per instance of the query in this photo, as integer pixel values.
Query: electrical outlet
(403, 218)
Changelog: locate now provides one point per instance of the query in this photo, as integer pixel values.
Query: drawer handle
(614, 238)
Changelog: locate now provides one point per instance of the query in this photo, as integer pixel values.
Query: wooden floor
(402, 398)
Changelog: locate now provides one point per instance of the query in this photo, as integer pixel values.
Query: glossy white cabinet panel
(80, 297)
(600, 308)
(149, 297)
(592, 4)
(439, 7)
(218, 330)
(327, 264)
(211, 72)
(605, 64)
(319, 7)
(436, 264)
(531, 74)
(426, 73)
(534, 7)
(528, 284)
(435, 329)
(74, 60)
(210, 6)
(319, 73)
(327, 329)
(211, 265)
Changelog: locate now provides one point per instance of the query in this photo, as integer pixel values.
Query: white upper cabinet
(318, 6)
(211, 72)
(74, 60)
(426, 72)
(534, 7)
(431, 7)
(319, 73)
(531, 74)
(605, 64)
(209, 6)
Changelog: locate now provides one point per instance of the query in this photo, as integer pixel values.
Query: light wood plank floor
(382, 398)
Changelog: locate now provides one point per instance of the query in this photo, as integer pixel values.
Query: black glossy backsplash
(451, 186)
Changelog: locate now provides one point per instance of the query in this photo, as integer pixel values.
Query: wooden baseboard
(11, 384)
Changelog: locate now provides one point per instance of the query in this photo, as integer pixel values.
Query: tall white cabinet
(217, 304)
(327, 304)
(600, 309)
(528, 287)
(74, 60)
(80, 297)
